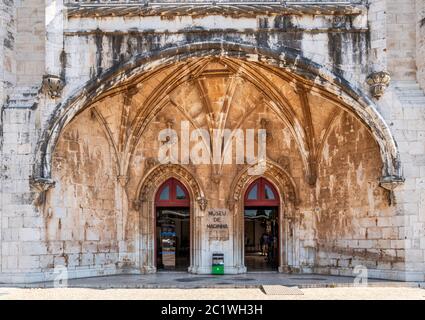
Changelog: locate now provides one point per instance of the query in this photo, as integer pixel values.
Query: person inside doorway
(264, 243)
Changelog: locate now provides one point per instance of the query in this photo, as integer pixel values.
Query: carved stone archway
(145, 204)
(288, 209)
(326, 82)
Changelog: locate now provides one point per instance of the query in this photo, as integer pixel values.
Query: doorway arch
(289, 204)
(144, 203)
(261, 226)
(172, 226)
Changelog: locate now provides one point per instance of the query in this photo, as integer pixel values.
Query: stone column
(283, 240)
(196, 239)
(147, 238)
(238, 239)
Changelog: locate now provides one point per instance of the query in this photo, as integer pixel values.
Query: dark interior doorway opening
(172, 205)
(261, 216)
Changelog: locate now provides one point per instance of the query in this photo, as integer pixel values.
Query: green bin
(218, 263)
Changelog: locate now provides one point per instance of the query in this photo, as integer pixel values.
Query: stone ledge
(225, 8)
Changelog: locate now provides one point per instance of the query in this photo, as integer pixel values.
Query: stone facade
(87, 87)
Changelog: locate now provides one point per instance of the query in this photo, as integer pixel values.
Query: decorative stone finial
(53, 85)
(378, 82)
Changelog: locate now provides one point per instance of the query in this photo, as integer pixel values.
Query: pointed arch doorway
(172, 208)
(261, 217)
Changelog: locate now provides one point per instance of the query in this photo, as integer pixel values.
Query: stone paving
(182, 280)
(359, 293)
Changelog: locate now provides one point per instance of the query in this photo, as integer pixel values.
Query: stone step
(25, 89)
(413, 103)
(21, 104)
(410, 93)
(406, 84)
(412, 97)
(23, 97)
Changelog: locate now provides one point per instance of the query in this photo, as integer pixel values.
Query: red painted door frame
(261, 201)
(172, 202)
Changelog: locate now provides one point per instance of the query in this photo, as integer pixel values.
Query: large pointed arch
(285, 62)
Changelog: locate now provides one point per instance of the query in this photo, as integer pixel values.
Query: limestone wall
(30, 42)
(420, 42)
(401, 39)
(89, 221)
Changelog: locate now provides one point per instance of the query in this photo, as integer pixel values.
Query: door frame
(145, 206)
(172, 203)
(288, 214)
(261, 202)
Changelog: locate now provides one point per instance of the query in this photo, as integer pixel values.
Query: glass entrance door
(261, 238)
(261, 226)
(173, 239)
(172, 226)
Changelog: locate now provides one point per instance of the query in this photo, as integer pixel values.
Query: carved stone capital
(378, 82)
(40, 186)
(202, 202)
(391, 183)
(53, 85)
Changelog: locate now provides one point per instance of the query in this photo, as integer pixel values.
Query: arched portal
(167, 186)
(172, 211)
(313, 77)
(287, 199)
(319, 133)
(261, 226)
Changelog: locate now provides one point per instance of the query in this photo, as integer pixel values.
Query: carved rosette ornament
(378, 82)
(40, 186)
(53, 85)
(391, 183)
